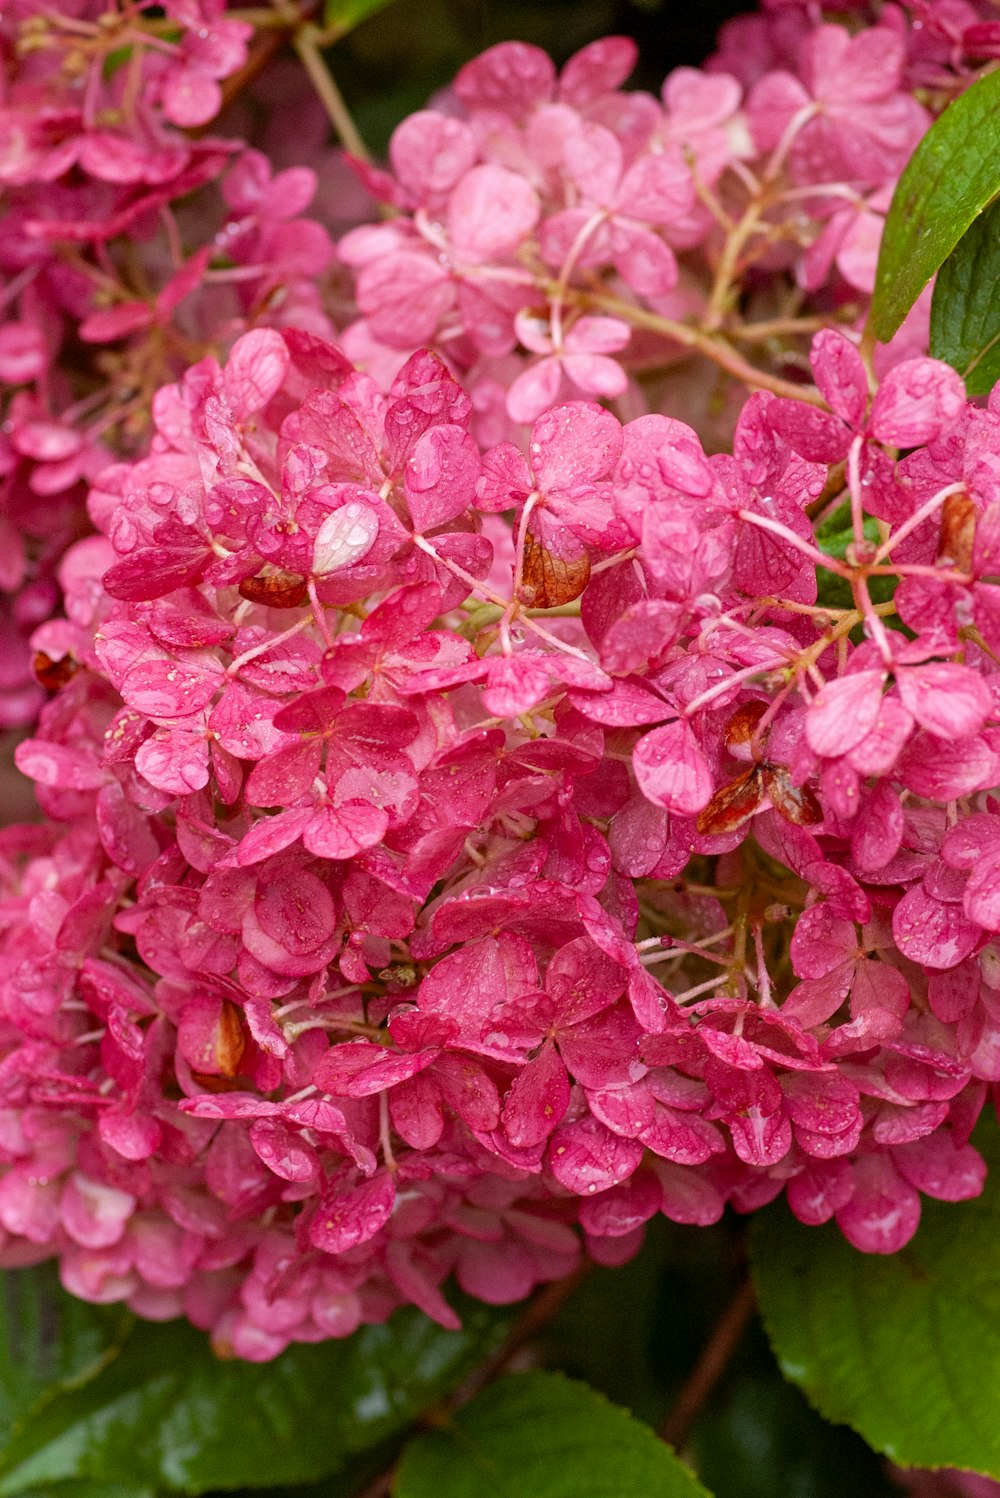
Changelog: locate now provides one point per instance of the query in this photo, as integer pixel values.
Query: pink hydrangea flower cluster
(456, 856)
(554, 236)
(130, 242)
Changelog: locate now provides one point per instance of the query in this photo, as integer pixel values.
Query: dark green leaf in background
(951, 177)
(88, 1394)
(540, 1435)
(904, 1348)
(761, 1439)
(965, 310)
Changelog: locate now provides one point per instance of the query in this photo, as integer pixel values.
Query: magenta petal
(917, 401)
(357, 1068)
(840, 375)
(688, 1196)
(932, 933)
(948, 700)
(822, 1189)
(538, 1099)
(350, 1215)
(585, 1157)
(622, 1209)
(575, 443)
(339, 832)
(283, 1150)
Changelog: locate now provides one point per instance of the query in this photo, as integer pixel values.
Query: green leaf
(539, 1435)
(146, 1405)
(343, 15)
(905, 1348)
(965, 310)
(49, 1342)
(951, 177)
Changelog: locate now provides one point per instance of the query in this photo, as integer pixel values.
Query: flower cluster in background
(131, 243)
(478, 818)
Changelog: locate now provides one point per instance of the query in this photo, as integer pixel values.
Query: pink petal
(817, 435)
(843, 712)
(948, 700)
(511, 77)
(441, 476)
(534, 390)
(597, 69)
(671, 770)
(820, 1190)
(340, 832)
(932, 933)
(490, 213)
(595, 374)
(940, 1168)
(357, 1068)
(821, 942)
(576, 443)
(622, 1209)
(883, 1213)
(283, 1150)
(918, 401)
(982, 893)
(840, 375)
(687, 1196)
(878, 832)
(255, 371)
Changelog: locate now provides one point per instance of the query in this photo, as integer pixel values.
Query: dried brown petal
(549, 579)
(743, 724)
(733, 804)
(54, 673)
(958, 531)
(276, 590)
(796, 803)
(229, 1040)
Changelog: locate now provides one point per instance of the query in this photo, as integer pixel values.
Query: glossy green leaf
(343, 15)
(539, 1435)
(951, 177)
(153, 1407)
(49, 1342)
(905, 1348)
(965, 310)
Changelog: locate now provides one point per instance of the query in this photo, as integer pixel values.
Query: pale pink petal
(345, 537)
(490, 214)
(917, 401)
(255, 371)
(948, 700)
